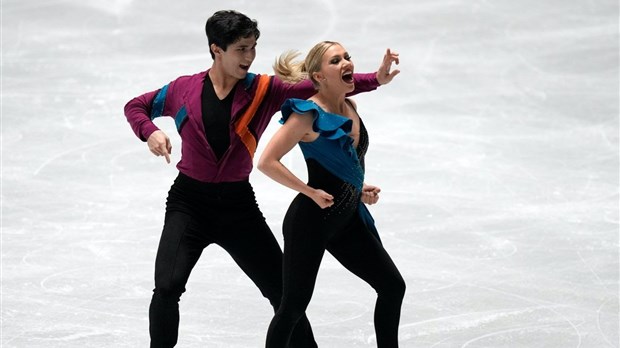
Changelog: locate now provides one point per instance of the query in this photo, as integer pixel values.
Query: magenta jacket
(181, 100)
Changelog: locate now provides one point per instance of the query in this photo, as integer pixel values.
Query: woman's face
(336, 69)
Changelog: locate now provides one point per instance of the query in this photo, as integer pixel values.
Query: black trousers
(199, 214)
(307, 234)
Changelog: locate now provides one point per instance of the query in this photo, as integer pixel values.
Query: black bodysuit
(309, 231)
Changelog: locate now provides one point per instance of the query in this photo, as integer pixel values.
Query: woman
(329, 213)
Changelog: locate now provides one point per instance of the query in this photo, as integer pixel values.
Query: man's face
(238, 57)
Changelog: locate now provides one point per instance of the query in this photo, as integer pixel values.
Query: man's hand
(159, 144)
(384, 75)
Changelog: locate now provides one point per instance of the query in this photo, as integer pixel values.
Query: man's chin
(242, 74)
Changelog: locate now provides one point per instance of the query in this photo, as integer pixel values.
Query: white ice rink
(497, 149)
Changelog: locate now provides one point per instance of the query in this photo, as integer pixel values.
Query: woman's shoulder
(328, 124)
(300, 106)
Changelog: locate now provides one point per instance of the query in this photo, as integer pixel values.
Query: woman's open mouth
(347, 77)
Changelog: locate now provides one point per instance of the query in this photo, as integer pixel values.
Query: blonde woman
(329, 213)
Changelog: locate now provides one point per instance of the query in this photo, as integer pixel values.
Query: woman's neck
(331, 102)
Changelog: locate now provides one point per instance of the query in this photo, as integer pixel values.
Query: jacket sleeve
(142, 110)
(305, 89)
(364, 83)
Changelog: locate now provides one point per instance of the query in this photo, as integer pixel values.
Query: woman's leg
(362, 254)
(304, 246)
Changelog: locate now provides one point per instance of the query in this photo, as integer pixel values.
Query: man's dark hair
(227, 27)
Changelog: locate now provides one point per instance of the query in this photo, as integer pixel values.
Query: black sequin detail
(346, 196)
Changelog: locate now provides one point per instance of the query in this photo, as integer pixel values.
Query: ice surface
(496, 149)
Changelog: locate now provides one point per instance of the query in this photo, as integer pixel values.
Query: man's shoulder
(181, 85)
(190, 79)
(253, 78)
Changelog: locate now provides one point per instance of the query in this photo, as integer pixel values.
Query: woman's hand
(384, 75)
(370, 194)
(159, 144)
(322, 198)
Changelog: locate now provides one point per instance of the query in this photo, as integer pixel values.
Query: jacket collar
(241, 99)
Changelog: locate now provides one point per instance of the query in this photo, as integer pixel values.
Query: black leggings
(199, 214)
(306, 237)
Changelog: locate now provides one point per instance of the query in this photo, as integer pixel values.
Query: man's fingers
(163, 151)
(168, 150)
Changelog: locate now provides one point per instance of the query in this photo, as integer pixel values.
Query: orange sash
(241, 126)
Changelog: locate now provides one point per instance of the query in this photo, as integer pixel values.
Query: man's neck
(222, 83)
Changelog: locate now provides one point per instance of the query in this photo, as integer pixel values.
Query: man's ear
(215, 49)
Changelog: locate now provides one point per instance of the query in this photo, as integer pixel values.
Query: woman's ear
(318, 77)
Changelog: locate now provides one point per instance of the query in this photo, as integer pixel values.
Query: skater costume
(346, 229)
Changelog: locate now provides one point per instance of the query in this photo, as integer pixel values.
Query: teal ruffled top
(333, 149)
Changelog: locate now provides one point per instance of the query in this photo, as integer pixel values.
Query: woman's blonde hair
(291, 71)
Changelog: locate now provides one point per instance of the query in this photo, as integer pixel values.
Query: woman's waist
(320, 177)
(346, 199)
(343, 210)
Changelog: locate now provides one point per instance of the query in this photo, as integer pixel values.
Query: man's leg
(255, 249)
(179, 250)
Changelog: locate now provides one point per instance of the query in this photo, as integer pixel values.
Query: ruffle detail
(330, 126)
(336, 155)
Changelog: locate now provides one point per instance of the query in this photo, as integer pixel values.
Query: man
(220, 114)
